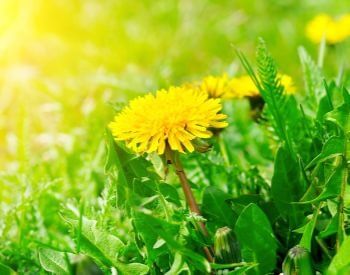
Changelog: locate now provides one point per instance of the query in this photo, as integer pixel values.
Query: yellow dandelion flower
(334, 31)
(173, 117)
(344, 26)
(244, 86)
(287, 83)
(216, 86)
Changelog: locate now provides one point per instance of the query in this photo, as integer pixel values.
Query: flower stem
(223, 150)
(173, 158)
(321, 52)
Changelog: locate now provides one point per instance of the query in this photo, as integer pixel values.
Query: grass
(75, 202)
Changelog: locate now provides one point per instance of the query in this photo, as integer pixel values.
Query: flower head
(173, 117)
(244, 86)
(287, 83)
(216, 86)
(324, 26)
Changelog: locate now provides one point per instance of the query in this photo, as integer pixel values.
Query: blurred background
(63, 62)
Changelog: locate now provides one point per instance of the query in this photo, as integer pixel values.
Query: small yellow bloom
(334, 31)
(287, 83)
(244, 86)
(216, 86)
(173, 117)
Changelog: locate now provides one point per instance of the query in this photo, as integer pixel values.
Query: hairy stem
(190, 199)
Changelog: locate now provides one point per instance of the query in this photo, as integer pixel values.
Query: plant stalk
(173, 158)
(340, 210)
(223, 150)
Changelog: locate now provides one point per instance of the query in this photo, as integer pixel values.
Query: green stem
(223, 150)
(323, 247)
(163, 203)
(321, 52)
(340, 210)
(190, 199)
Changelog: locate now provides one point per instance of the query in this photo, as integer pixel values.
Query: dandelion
(173, 117)
(216, 86)
(167, 123)
(244, 86)
(287, 83)
(325, 27)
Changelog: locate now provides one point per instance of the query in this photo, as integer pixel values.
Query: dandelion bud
(297, 262)
(226, 246)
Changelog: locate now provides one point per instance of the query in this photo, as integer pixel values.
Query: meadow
(174, 137)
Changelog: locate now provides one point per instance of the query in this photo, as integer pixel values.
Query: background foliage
(65, 68)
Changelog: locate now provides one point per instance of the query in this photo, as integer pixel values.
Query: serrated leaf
(151, 229)
(103, 247)
(341, 117)
(312, 76)
(333, 147)
(332, 187)
(255, 235)
(53, 261)
(128, 167)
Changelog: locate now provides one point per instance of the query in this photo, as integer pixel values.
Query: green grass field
(271, 187)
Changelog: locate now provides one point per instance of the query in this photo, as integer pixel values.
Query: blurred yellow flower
(334, 30)
(216, 86)
(244, 86)
(287, 83)
(173, 117)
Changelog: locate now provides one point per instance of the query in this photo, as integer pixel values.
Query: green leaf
(287, 187)
(216, 208)
(333, 147)
(256, 238)
(103, 247)
(127, 167)
(270, 88)
(6, 270)
(152, 229)
(148, 188)
(53, 261)
(177, 266)
(331, 228)
(242, 270)
(340, 264)
(312, 76)
(132, 269)
(346, 96)
(309, 230)
(332, 187)
(341, 117)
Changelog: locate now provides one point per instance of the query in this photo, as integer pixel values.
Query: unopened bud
(298, 262)
(226, 246)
